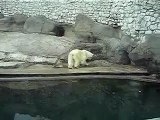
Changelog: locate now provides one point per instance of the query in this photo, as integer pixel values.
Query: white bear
(77, 57)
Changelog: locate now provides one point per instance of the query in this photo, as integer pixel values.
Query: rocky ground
(48, 69)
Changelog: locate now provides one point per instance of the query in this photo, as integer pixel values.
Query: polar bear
(77, 57)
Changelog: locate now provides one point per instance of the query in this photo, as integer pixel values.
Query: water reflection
(95, 99)
(154, 119)
(28, 117)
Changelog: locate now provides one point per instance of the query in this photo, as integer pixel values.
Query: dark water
(95, 99)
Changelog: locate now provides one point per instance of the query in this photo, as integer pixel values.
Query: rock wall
(136, 17)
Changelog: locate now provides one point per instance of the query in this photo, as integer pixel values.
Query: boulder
(86, 30)
(34, 24)
(69, 32)
(83, 28)
(34, 44)
(147, 53)
(20, 22)
(102, 31)
(16, 27)
(128, 43)
(153, 67)
(115, 51)
(147, 50)
(20, 18)
(1, 15)
(119, 56)
(153, 41)
(2, 55)
(6, 23)
(39, 24)
(48, 26)
(95, 48)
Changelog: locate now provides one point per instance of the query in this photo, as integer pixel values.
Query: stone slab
(10, 64)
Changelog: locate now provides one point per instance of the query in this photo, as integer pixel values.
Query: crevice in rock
(59, 31)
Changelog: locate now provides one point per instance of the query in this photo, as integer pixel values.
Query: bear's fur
(77, 57)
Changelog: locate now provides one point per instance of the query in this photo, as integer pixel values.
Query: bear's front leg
(84, 63)
(76, 64)
(70, 67)
(70, 62)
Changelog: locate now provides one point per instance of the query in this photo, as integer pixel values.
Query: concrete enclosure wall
(137, 17)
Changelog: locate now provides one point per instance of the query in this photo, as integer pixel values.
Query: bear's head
(88, 54)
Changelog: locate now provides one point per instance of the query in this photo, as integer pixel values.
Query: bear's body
(77, 57)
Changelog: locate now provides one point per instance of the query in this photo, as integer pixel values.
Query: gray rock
(16, 57)
(100, 63)
(69, 32)
(115, 51)
(48, 26)
(39, 24)
(7, 65)
(2, 55)
(128, 43)
(34, 24)
(1, 15)
(6, 23)
(36, 59)
(35, 44)
(16, 27)
(140, 55)
(95, 48)
(20, 18)
(83, 27)
(102, 31)
(153, 67)
(30, 59)
(83, 23)
(120, 57)
(86, 30)
(147, 50)
(154, 62)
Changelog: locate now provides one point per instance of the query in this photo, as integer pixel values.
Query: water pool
(89, 99)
